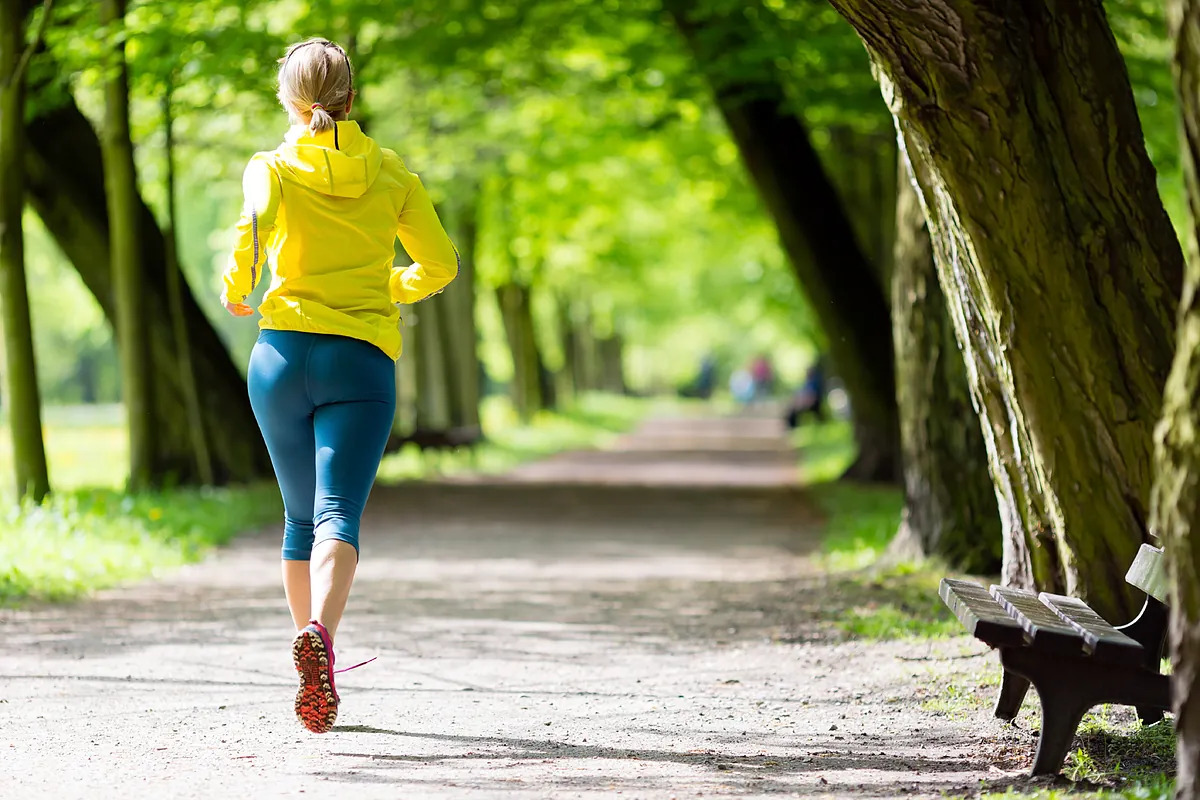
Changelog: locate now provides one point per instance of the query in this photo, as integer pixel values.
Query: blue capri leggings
(325, 406)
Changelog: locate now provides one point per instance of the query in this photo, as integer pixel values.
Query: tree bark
(458, 325)
(1058, 261)
(66, 188)
(187, 375)
(1176, 500)
(514, 299)
(612, 363)
(843, 288)
(133, 335)
(434, 390)
(950, 504)
(22, 396)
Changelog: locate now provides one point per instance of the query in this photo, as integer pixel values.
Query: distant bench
(426, 439)
(1074, 658)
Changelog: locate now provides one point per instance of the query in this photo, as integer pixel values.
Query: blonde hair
(316, 83)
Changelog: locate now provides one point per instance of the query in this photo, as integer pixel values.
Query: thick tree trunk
(514, 299)
(187, 375)
(863, 168)
(66, 188)
(843, 288)
(1057, 259)
(950, 504)
(133, 335)
(1176, 501)
(21, 395)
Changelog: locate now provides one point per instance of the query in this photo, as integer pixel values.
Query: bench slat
(1101, 639)
(1048, 633)
(1149, 572)
(980, 614)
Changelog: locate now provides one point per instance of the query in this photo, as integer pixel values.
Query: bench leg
(1150, 631)
(1013, 689)
(1068, 686)
(1061, 715)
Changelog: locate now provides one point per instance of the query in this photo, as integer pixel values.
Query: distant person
(705, 381)
(763, 375)
(810, 397)
(741, 385)
(325, 208)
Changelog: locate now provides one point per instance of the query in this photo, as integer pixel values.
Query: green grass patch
(860, 522)
(826, 450)
(1110, 751)
(86, 447)
(896, 603)
(77, 542)
(1154, 789)
(590, 423)
(966, 696)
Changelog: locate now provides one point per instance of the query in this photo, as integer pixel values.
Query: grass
(81, 541)
(826, 450)
(868, 602)
(1155, 789)
(590, 423)
(1111, 750)
(86, 447)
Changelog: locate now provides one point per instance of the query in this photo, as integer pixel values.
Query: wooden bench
(1074, 658)
(468, 436)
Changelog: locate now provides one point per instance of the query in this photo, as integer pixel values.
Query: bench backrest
(1149, 572)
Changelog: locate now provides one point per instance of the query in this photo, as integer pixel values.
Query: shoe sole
(316, 703)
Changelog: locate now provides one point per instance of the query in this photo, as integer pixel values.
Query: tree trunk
(518, 326)
(434, 391)
(459, 330)
(1057, 259)
(863, 169)
(191, 393)
(612, 364)
(133, 335)
(66, 188)
(21, 396)
(1176, 500)
(568, 387)
(950, 504)
(843, 288)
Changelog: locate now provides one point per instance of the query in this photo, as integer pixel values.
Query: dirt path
(635, 622)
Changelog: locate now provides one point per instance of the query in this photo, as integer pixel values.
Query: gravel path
(635, 622)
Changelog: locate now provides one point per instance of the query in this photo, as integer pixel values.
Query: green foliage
(77, 542)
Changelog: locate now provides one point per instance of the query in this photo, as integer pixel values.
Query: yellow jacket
(325, 211)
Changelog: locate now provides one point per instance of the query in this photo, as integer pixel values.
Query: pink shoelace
(356, 666)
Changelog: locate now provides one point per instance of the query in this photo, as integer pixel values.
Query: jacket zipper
(254, 236)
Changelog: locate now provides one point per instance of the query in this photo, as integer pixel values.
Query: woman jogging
(324, 210)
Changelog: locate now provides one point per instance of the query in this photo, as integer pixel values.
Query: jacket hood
(343, 162)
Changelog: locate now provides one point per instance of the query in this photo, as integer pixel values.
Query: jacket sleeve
(435, 258)
(262, 194)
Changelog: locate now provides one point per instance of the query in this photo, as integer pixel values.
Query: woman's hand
(237, 309)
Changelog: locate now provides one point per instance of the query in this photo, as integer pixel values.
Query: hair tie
(315, 106)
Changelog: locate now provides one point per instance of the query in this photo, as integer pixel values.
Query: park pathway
(635, 622)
